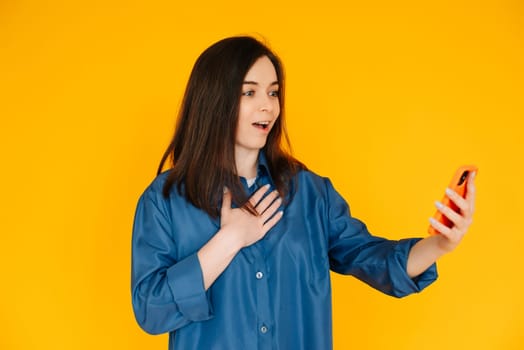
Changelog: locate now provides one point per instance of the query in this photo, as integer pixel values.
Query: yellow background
(385, 98)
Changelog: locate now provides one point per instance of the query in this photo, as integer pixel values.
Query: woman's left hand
(449, 238)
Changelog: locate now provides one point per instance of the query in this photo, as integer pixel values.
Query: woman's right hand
(249, 228)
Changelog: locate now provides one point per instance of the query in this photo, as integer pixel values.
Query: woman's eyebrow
(250, 82)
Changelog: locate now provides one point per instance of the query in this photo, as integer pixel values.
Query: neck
(246, 163)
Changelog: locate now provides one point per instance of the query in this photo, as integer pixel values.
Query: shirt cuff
(187, 285)
(402, 283)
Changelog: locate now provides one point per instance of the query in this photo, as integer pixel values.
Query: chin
(252, 145)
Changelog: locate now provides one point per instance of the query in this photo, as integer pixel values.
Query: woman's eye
(274, 93)
(248, 93)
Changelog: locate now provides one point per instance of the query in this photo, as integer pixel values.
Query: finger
(226, 201)
(273, 221)
(452, 215)
(471, 191)
(272, 209)
(440, 227)
(471, 179)
(257, 196)
(463, 205)
(266, 202)
(461, 221)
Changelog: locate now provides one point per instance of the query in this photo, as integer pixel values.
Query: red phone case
(459, 184)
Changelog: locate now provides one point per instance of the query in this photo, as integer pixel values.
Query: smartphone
(459, 184)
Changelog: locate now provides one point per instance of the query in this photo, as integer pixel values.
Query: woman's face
(259, 106)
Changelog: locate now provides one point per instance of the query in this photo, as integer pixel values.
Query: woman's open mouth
(261, 125)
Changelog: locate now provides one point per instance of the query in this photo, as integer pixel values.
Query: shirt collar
(263, 166)
(263, 173)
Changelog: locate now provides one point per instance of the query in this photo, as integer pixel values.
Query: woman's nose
(266, 105)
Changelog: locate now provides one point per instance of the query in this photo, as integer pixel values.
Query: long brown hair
(202, 149)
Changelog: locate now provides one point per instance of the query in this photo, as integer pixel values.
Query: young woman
(232, 247)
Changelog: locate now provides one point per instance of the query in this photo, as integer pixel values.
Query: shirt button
(263, 329)
(259, 275)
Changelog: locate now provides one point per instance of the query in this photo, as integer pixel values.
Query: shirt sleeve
(379, 262)
(167, 293)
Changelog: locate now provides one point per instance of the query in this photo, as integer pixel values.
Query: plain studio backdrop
(385, 98)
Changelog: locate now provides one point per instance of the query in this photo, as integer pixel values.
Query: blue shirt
(276, 293)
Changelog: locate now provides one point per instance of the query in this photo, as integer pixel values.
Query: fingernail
(432, 220)
(439, 205)
(449, 191)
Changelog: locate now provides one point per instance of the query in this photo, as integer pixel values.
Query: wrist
(230, 238)
(442, 244)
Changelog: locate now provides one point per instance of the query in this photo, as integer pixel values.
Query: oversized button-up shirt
(276, 293)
